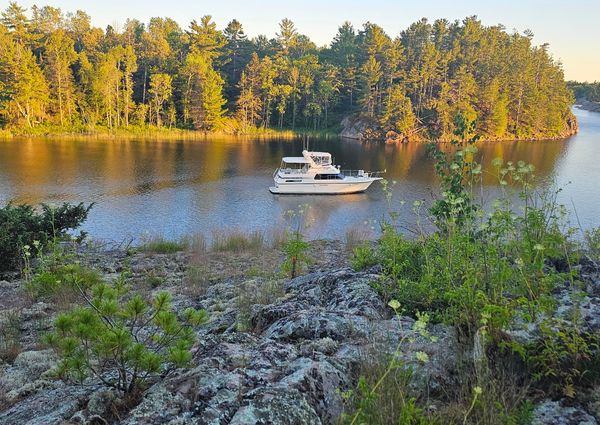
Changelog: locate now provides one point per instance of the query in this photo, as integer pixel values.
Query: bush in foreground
(21, 225)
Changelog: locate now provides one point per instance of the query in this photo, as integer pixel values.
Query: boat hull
(320, 188)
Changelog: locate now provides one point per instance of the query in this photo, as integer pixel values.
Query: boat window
(328, 177)
(321, 160)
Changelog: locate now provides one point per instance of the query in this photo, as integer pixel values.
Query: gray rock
(320, 383)
(100, 402)
(27, 368)
(275, 406)
(46, 407)
(159, 406)
(314, 324)
(560, 413)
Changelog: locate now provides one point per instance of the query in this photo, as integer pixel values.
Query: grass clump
(255, 292)
(354, 238)
(160, 245)
(198, 279)
(238, 241)
(383, 394)
(10, 335)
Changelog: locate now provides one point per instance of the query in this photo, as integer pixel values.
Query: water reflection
(180, 187)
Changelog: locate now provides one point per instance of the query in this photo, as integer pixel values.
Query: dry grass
(10, 335)
(197, 281)
(237, 241)
(197, 243)
(503, 397)
(278, 237)
(354, 237)
(387, 404)
(260, 291)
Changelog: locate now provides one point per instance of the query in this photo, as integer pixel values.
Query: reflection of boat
(314, 173)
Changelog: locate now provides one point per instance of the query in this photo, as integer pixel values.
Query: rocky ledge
(291, 363)
(587, 105)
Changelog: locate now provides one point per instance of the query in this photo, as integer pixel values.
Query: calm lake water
(177, 188)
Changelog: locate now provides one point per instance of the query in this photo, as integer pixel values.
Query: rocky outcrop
(291, 369)
(360, 127)
(302, 349)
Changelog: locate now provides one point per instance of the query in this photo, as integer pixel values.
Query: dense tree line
(58, 70)
(585, 91)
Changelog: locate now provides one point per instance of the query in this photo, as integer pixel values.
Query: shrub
(61, 281)
(122, 341)
(21, 225)
(154, 280)
(295, 247)
(563, 358)
(592, 239)
(364, 256)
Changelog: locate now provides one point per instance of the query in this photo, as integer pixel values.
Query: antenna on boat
(305, 141)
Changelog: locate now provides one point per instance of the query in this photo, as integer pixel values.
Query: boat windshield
(321, 159)
(293, 166)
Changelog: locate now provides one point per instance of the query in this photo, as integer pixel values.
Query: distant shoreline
(586, 105)
(153, 133)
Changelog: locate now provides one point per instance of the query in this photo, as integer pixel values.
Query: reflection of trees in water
(37, 170)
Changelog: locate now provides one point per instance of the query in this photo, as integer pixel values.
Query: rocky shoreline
(275, 351)
(586, 105)
(366, 129)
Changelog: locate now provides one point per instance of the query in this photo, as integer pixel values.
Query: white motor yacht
(314, 173)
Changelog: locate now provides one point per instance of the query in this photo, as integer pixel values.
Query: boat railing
(362, 173)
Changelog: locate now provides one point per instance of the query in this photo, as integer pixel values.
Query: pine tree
(206, 92)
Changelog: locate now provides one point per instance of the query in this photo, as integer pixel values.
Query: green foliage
(121, 339)
(585, 91)
(59, 280)
(58, 73)
(21, 225)
(457, 174)
(563, 358)
(495, 264)
(363, 257)
(295, 249)
(592, 239)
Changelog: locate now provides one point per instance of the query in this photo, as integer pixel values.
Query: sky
(572, 28)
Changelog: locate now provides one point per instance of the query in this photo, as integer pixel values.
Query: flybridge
(314, 173)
